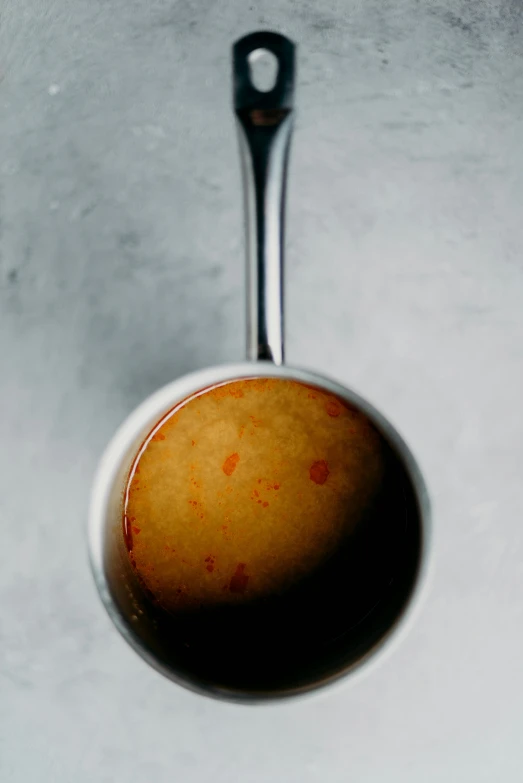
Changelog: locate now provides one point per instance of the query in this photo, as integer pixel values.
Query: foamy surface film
(245, 489)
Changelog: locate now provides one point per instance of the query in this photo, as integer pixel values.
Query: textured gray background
(121, 268)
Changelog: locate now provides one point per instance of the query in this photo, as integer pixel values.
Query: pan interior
(316, 628)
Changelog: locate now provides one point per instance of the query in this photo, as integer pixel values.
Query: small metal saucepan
(287, 648)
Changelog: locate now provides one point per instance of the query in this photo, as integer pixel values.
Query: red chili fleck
(333, 408)
(276, 486)
(239, 581)
(127, 533)
(210, 563)
(158, 436)
(319, 472)
(193, 442)
(136, 529)
(229, 466)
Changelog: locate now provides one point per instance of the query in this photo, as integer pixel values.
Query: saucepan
(377, 581)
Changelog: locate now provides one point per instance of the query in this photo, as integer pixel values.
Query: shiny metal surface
(264, 122)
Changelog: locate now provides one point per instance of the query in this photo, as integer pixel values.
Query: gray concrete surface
(121, 268)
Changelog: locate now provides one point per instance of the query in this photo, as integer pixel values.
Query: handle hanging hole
(263, 68)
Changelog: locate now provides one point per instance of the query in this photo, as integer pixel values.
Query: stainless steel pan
(330, 643)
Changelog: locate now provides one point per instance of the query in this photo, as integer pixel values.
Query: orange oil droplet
(319, 471)
(229, 466)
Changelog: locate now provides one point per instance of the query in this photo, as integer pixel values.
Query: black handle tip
(246, 96)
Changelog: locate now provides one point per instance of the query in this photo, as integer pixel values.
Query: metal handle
(264, 122)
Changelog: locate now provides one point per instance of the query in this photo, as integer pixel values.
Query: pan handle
(264, 122)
